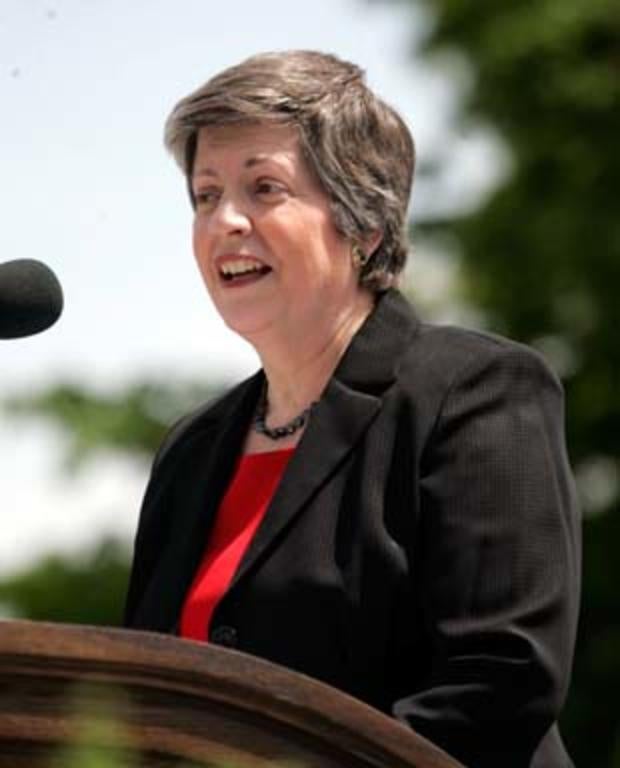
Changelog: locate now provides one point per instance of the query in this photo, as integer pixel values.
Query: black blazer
(422, 550)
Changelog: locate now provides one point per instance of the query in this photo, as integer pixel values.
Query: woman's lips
(232, 281)
(239, 269)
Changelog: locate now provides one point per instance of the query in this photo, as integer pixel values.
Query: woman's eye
(266, 188)
(206, 198)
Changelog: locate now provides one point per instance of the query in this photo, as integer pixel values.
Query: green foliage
(131, 421)
(88, 588)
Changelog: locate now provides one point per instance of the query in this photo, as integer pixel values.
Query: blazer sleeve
(498, 563)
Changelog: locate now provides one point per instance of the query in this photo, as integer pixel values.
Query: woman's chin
(249, 324)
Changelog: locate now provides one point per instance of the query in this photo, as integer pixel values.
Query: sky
(87, 188)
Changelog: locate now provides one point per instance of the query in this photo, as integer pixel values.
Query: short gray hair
(358, 146)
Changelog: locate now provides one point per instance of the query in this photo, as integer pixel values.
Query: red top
(243, 507)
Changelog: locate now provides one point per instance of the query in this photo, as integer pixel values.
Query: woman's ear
(372, 242)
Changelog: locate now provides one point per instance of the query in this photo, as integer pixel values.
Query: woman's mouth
(241, 271)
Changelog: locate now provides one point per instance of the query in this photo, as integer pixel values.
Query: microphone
(31, 298)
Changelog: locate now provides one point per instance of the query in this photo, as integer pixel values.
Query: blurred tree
(88, 588)
(541, 258)
(132, 421)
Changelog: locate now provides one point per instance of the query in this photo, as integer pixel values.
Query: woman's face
(263, 235)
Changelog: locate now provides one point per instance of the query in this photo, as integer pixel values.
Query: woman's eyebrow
(249, 163)
(256, 160)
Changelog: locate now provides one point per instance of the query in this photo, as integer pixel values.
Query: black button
(224, 635)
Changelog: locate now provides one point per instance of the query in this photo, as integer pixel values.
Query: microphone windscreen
(31, 298)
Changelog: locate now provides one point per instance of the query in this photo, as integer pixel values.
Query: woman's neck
(299, 365)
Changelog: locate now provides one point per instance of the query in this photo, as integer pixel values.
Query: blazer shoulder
(443, 355)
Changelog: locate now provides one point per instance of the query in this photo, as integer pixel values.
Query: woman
(386, 505)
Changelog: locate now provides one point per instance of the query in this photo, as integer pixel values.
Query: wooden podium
(143, 699)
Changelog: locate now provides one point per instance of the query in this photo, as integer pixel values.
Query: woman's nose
(231, 217)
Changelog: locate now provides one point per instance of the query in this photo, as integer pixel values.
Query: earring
(358, 257)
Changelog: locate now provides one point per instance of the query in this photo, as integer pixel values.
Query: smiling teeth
(240, 266)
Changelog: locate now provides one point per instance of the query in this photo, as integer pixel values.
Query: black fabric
(422, 551)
